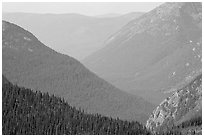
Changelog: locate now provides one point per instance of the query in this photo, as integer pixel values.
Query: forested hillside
(30, 112)
(190, 127)
(29, 63)
(27, 112)
(145, 78)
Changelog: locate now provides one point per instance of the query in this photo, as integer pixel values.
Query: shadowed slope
(29, 63)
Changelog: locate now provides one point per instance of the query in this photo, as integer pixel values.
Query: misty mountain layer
(71, 34)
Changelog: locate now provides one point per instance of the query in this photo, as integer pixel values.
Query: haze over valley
(102, 69)
(71, 34)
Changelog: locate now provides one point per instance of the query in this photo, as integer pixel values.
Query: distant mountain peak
(154, 52)
(164, 21)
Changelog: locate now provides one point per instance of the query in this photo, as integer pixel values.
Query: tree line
(189, 127)
(27, 112)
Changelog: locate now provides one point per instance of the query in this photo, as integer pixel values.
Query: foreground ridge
(26, 112)
(35, 113)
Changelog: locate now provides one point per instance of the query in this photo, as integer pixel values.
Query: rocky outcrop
(183, 105)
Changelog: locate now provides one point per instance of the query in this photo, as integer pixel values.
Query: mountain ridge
(29, 63)
(80, 35)
(154, 52)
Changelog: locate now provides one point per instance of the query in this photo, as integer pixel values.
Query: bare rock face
(184, 104)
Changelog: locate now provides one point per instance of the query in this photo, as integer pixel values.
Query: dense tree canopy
(27, 112)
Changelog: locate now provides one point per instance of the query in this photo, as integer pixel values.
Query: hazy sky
(86, 8)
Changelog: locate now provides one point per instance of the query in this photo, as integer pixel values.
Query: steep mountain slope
(153, 53)
(185, 104)
(27, 112)
(29, 63)
(72, 34)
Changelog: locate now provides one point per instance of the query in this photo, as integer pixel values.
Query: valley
(138, 73)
